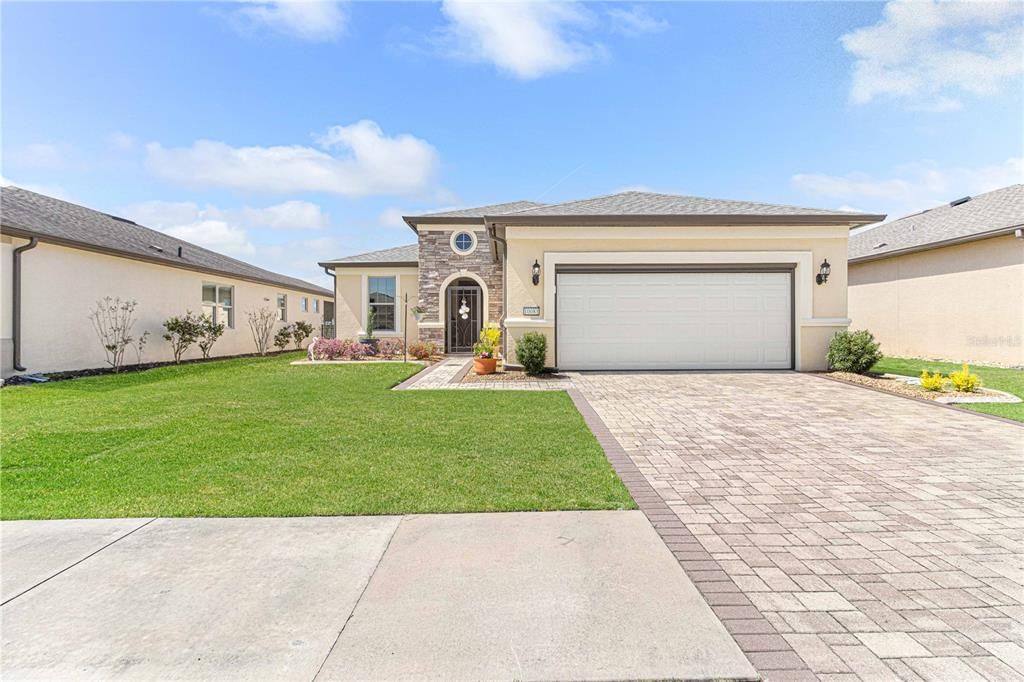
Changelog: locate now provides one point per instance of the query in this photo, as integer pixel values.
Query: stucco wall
(351, 294)
(60, 287)
(826, 305)
(962, 303)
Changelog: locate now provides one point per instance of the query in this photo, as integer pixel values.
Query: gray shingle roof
(650, 203)
(409, 253)
(49, 219)
(985, 214)
(481, 211)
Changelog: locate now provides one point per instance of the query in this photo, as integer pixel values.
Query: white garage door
(674, 320)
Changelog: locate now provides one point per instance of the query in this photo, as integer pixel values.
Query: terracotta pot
(485, 365)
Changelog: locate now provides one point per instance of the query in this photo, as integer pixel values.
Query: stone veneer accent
(437, 261)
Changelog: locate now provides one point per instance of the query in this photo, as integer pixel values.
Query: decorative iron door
(464, 318)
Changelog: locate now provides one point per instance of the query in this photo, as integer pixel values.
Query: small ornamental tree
(283, 337)
(209, 332)
(261, 324)
(301, 331)
(855, 352)
(113, 320)
(182, 332)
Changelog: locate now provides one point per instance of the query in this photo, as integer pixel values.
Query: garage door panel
(678, 320)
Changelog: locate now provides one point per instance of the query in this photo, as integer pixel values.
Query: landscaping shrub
(209, 332)
(853, 352)
(283, 337)
(301, 331)
(421, 350)
(932, 382)
(358, 351)
(113, 320)
(329, 349)
(390, 347)
(490, 338)
(964, 381)
(261, 324)
(182, 332)
(531, 352)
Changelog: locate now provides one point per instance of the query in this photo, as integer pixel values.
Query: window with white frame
(304, 304)
(219, 304)
(382, 302)
(316, 305)
(282, 307)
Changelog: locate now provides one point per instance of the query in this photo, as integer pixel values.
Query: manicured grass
(260, 437)
(998, 378)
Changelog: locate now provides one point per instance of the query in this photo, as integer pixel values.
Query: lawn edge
(955, 408)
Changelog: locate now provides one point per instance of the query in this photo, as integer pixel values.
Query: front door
(464, 319)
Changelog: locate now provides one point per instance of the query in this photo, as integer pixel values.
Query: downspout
(493, 231)
(334, 307)
(16, 302)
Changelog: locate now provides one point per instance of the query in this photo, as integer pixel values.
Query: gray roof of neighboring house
(28, 214)
(653, 204)
(481, 211)
(408, 254)
(986, 215)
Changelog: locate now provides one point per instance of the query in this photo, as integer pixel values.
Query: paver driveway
(881, 537)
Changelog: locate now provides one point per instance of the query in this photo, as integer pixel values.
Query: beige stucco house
(946, 283)
(634, 280)
(57, 259)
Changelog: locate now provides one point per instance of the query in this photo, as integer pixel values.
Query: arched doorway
(464, 318)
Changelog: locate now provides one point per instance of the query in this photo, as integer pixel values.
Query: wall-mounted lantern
(823, 272)
(536, 273)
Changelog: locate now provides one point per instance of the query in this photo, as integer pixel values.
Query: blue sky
(284, 133)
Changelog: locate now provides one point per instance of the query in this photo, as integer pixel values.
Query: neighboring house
(634, 280)
(946, 283)
(71, 256)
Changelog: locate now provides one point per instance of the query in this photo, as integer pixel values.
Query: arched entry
(464, 315)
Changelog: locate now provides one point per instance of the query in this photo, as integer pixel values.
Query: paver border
(405, 385)
(766, 649)
(461, 374)
(954, 407)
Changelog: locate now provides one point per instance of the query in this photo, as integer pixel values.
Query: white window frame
(316, 305)
(471, 249)
(304, 304)
(282, 307)
(221, 313)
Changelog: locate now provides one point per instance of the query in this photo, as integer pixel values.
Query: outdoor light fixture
(823, 272)
(536, 273)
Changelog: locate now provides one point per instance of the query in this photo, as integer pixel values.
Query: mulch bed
(512, 375)
(902, 387)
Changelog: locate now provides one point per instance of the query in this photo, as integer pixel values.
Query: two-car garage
(674, 319)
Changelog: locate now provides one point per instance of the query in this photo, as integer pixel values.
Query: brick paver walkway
(880, 537)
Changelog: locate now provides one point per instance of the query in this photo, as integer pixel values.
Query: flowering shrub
(932, 382)
(390, 347)
(421, 350)
(358, 351)
(964, 381)
(329, 349)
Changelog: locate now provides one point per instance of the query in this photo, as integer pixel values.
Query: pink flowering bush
(329, 349)
(357, 351)
(390, 347)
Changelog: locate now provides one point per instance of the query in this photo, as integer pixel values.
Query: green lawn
(1009, 380)
(260, 437)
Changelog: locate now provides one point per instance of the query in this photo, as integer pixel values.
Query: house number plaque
(531, 311)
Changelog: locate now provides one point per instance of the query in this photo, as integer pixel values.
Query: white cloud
(313, 21)
(215, 235)
(39, 155)
(121, 141)
(55, 191)
(290, 215)
(391, 217)
(927, 53)
(355, 161)
(635, 21)
(911, 187)
(525, 39)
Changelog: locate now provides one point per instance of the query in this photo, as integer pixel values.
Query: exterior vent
(180, 251)
(961, 200)
(156, 248)
(119, 218)
(880, 245)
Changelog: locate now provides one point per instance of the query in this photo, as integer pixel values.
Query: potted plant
(369, 339)
(485, 351)
(418, 312)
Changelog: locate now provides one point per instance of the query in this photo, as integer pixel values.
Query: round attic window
(463, 242)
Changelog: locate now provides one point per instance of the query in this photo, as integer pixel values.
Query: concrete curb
(757, 638)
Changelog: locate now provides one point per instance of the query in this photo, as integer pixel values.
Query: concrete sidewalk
(566, 595)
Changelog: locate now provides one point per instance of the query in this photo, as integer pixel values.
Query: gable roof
(672, 208)
(986, 215)
(28, 214)
(481, 211)
(399, 255)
